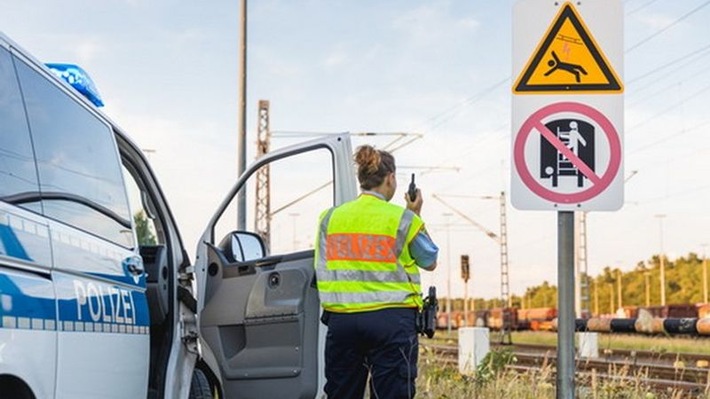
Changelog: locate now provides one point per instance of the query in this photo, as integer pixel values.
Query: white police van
(98, 296)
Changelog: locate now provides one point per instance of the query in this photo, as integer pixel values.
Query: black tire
(200, 386)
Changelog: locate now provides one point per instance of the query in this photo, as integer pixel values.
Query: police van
(98, 295)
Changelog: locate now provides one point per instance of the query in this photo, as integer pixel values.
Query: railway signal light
(465, 269)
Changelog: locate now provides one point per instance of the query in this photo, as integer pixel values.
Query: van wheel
(200, 386)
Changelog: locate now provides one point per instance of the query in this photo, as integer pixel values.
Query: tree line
(684, 285)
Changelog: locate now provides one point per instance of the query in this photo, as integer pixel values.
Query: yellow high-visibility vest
(362, 257)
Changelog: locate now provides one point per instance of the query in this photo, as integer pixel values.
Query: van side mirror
(246, 246)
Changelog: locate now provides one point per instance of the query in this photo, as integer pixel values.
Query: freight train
(541, 319)
(536, 319)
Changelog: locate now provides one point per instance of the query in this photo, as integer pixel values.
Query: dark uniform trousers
(382, 344)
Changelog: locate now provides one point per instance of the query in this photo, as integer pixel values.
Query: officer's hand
(416, 205)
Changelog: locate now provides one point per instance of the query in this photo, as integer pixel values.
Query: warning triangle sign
(567, 60)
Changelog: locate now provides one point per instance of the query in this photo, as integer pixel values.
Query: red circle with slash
(535, 123)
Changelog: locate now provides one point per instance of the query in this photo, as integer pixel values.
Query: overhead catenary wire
(673, 136)
(666, 110)
(439, 119)
(641, 98)
(641, 7)
(665, 28)
(694, 55)
(691, 57)
(677, 194)
(704, 49)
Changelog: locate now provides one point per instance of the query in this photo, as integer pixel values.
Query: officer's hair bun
(373, 166)
(368, 159)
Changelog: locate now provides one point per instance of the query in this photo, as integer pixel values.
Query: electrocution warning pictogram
(568, 60)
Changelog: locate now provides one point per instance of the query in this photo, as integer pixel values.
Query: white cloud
(336, 58)
(88, 49)
(433, 25)
(468, 23)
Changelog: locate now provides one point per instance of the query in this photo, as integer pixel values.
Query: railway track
(659, 370)
(635, 357)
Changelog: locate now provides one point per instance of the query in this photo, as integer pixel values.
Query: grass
(493, 380)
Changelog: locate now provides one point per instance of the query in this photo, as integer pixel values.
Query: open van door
(257, 300)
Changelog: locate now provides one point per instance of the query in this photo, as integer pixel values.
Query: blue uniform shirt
(423, 249)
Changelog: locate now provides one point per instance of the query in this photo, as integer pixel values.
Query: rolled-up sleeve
(423, 250)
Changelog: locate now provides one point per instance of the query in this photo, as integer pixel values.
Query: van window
(143, 218)
(305, 183)
(79, 171)
(18, 175)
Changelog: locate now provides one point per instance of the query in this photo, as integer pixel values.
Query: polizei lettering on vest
(363, 247)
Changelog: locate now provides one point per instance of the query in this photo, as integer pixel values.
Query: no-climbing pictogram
(570, 136)
(568, 59)
(578, 136)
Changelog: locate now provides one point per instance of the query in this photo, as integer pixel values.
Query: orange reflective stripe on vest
(362, 247)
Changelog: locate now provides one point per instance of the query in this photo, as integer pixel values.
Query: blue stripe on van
(13, 246)
(27, 303)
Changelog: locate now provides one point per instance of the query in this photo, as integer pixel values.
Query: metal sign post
(565, 305)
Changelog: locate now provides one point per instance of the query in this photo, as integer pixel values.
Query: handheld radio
(412, 190)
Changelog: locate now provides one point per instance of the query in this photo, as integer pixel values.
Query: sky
(168, 74)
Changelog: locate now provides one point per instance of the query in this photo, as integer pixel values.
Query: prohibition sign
(535, 123)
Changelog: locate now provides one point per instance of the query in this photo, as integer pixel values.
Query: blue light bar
(79, 80)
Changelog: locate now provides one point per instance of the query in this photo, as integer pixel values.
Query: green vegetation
(494, 380)
(683, 278)
(143, 229)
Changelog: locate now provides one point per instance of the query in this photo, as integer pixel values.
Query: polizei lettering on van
(104, 304)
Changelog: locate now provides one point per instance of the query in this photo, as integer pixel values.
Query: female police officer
(367, 260)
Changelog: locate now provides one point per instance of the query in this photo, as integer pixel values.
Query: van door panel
(258, 326)
(260, 318)
(103, 323)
